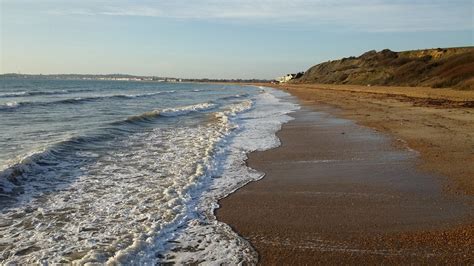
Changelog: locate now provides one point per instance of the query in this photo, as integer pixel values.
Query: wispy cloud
(371, 15)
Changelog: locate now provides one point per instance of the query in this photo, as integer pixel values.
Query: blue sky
(218, 38)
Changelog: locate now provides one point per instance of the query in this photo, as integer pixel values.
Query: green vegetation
(437, 68)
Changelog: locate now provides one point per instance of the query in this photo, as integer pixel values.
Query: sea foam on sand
(203, 238)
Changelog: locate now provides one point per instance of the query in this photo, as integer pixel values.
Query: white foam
(204, 239)
(152, 198)
(12, 104)
(13, 94)
(186, 109)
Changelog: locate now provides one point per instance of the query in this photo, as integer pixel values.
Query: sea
(126, 172)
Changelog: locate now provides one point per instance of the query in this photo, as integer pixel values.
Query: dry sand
(337, 192)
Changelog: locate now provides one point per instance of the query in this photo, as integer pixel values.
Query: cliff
(438, 68)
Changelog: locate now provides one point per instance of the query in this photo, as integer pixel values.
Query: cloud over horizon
(218, 38)
(373, 15)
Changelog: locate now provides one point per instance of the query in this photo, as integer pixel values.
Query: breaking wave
(39, 93)
(78, 100)
(55, 155)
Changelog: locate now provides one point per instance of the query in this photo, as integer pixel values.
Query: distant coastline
(126, 77)
(434, 67)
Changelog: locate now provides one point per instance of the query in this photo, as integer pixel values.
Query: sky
(217, 38)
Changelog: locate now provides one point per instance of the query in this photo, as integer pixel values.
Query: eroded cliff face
(439, 68)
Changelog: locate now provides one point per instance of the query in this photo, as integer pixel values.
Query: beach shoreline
(437, 123)
(306, 219)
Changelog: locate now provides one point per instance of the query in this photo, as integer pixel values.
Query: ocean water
(127, 172)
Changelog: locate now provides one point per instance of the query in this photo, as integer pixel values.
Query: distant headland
(437, 68)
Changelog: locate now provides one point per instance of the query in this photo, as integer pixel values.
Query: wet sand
(336, 192)
(438, 123)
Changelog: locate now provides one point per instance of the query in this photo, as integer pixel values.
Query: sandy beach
(438, 123)
(364, 175)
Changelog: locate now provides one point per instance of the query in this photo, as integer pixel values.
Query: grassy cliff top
(438, 68)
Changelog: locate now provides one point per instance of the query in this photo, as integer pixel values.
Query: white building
(285, 78)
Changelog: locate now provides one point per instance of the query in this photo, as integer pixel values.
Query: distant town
(125, 77)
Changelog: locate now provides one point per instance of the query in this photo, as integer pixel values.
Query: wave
(74, 152)
(13, 94)
(9, 105)
(60, 153)
(58, 156)
(170, 112)
(78, 100)
(237, 96)
(187, 109)
(40, 93)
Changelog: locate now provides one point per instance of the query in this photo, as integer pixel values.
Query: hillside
(438, 68)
